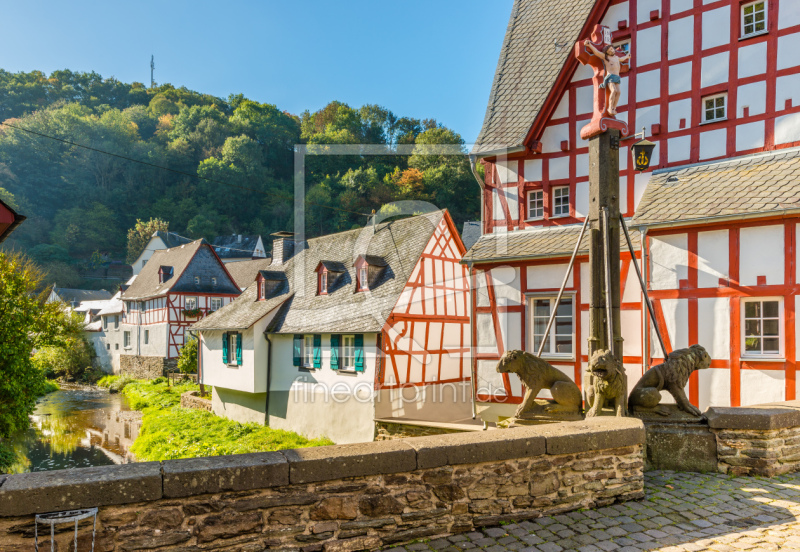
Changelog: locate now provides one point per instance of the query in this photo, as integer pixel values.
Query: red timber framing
(574, 366)
(672, 117)
(179, 322)
(426, 340)
(731, 289)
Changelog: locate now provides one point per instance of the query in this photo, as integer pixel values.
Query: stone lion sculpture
(606, 384)
(672, 376)
(538, 374)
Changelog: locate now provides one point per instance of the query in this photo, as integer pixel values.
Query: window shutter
(359, 352)
(317, 351)
(239, 349)
(335, 351)
(225, 347)
(297, 350)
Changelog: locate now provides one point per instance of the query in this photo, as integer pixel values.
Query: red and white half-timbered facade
(708, 81)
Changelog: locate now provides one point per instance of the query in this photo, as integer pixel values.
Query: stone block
(759, 417)
(357, 460)
(600, 433)
(47, 491)
(680, 446)
(239, 472)
(478, 446)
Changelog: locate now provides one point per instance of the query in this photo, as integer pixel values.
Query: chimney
(282, 247)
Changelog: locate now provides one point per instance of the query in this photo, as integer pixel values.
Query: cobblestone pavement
(682, 511)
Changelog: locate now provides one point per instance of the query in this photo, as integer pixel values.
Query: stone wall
(386, 431)
(142, 367)
(757, 440)
(345, 497)
(191, 400)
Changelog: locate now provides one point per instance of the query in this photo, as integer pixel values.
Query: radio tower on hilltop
(152, 70)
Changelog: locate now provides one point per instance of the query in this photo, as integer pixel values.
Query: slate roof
(400, 243)
(471, 233)
(147, 283)
(528, 67)
(541, 243)
(69, 295)
(244, 272)
(229, 247)
(171, 239)
(747, 186)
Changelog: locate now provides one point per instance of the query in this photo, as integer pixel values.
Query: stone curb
(757, 417)
(29, 493)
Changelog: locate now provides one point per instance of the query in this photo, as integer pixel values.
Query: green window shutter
(239, 349)
(225, 347)
(297, 350)
(335, 352)
(359, 352)
(317, 351)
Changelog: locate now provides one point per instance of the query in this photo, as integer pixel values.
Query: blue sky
(426, 59)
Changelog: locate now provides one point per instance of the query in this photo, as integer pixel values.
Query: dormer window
(269, 283)
(197, 280)
(213, 282)
(368, 271)
(323, 282)
(363, 281)
(164, 274)
(329, 275)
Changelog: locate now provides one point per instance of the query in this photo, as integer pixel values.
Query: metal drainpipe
(269, 378)
(473, 159)
(645, 313)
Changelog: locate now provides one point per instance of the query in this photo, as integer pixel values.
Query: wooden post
(604, 193)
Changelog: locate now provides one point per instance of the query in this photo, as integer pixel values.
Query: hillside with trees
(81, 203)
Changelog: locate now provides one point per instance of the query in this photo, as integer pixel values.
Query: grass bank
(169, 431)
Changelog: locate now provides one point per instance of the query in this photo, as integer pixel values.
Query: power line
(176, 171)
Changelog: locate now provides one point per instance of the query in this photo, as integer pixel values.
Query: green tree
(139, 236)
(187, 361)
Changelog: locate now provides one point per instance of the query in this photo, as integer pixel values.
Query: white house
(347, 329)
(159, 240)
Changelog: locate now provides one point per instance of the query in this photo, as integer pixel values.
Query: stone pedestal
(679, 441)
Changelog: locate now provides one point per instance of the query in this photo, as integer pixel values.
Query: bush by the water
(187, 361)
(169, 431)
(70, 359)
(114, 384)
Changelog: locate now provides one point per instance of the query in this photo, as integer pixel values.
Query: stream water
(76, 427)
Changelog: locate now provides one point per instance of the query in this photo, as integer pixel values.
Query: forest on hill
(81, 203)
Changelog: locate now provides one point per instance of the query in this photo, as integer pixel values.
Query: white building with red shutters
(346, 330)
(716, 85)
(174, 289)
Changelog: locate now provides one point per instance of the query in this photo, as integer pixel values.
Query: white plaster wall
(489, 381)
(790, 14)
(787, 128)
(230, 376)
(752, 60)
(714, 326)
(750, 136)
(669, 261)
(680, 77)
(533, 170)
(649, 43)
(559, 167)
(647, 116)
(643, 9)
(104, 356)
(679, 6)
(507, 171)
(787, 88)
(681, 38)
(714, 69)
(679, 148)
(547, 276)
(582, 199)
(155, 244)
(713, 143)
(497, 205)
(486, 338)
(552, 137)
(506, 284)
(585, 280)
(582, 164)
(712, 258)
(648, 85)
(631, 322)
(788, 46)
(584, 99)
(583, 72)
(753, 96)
(562, 110)
(640, 181)
(584, 344)
(615, 14)
(449, 402)
(714, 386)
(761, 254)
(581, 143)
(157, 339)
(676, 315)
(716, 27)
(762, 386)
(481, 291)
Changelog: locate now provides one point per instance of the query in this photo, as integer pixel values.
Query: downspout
(645, 316)
(473, 165)
(473, 362)
(269, 378)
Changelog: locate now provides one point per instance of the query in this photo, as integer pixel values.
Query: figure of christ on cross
(612, 63)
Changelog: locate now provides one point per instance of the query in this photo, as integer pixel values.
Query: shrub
(115, 384)
(187, 362)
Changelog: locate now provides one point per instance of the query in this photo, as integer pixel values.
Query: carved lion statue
(672, 376)
(538, 374)
(606, 385)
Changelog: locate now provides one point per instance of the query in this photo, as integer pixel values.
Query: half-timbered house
(716, 85)
(346, 329)
(9, 220)
(175, 289)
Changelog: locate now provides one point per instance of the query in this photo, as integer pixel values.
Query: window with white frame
(362, 277)
(213, 282)
(761, 330)
(323, 282)
(560, 341)
(216, 303)
(308, 351)
(625, 46)
(535, 204)
(126, 339)
(561, 201)
(754, 18)
(348, 360)
(116, 321)
(197, 280)
(191, 303)
(233, 340)
(105, 322)
(147, 337)
(715, 108)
